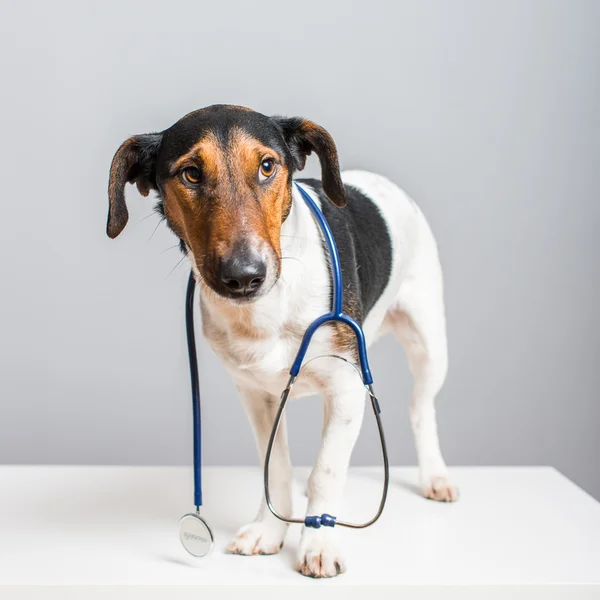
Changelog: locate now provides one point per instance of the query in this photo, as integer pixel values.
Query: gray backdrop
(486, 112)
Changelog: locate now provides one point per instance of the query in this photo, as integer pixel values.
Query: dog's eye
(267, 168)
(191, 175)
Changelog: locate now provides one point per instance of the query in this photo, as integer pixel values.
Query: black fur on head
(145, 159)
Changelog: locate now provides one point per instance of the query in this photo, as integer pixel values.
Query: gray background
(487, 113)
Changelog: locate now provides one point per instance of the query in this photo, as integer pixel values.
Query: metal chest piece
(195, 535)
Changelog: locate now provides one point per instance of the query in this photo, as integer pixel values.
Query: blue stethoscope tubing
(195, 534)
(336, 314)
(195, 381)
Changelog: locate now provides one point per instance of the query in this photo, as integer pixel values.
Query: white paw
(259, 537)
(439, 488)
(319, 555)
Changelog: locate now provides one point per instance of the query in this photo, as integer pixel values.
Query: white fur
(411, 306)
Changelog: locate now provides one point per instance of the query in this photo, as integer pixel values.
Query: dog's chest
(259, 360)
(258, 350)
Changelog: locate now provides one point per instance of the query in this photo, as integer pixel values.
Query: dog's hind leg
(265, 535)
(418, 320)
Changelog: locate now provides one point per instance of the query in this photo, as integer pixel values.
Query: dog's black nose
(243, 276)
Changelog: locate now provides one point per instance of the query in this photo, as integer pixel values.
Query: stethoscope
(194, 533)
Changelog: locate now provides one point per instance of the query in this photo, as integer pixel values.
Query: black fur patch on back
(364, 245)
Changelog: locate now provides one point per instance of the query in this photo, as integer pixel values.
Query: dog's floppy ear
(134, 162)
(304, 137)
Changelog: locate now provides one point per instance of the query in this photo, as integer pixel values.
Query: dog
(223, 177)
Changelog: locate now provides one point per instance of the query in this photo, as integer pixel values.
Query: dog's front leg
(266, 533)
(319, 554)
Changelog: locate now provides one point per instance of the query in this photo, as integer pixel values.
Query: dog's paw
(319, 556)
(440, 488)
(258, 538)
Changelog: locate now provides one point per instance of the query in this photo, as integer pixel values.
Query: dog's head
(224, 177)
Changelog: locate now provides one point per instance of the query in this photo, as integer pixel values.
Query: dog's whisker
(178, 263)
(296, 259)
(170, 248)
(146, 217)
(155, 229)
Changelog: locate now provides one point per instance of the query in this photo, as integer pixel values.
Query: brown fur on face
(228, 217)
(232, 206)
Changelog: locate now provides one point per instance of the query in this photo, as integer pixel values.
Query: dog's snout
(243, 275)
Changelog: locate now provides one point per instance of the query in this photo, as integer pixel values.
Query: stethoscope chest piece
(195, 535)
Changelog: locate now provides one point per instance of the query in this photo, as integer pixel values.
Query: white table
(111, 532)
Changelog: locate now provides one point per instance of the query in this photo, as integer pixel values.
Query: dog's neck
(300, 293)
